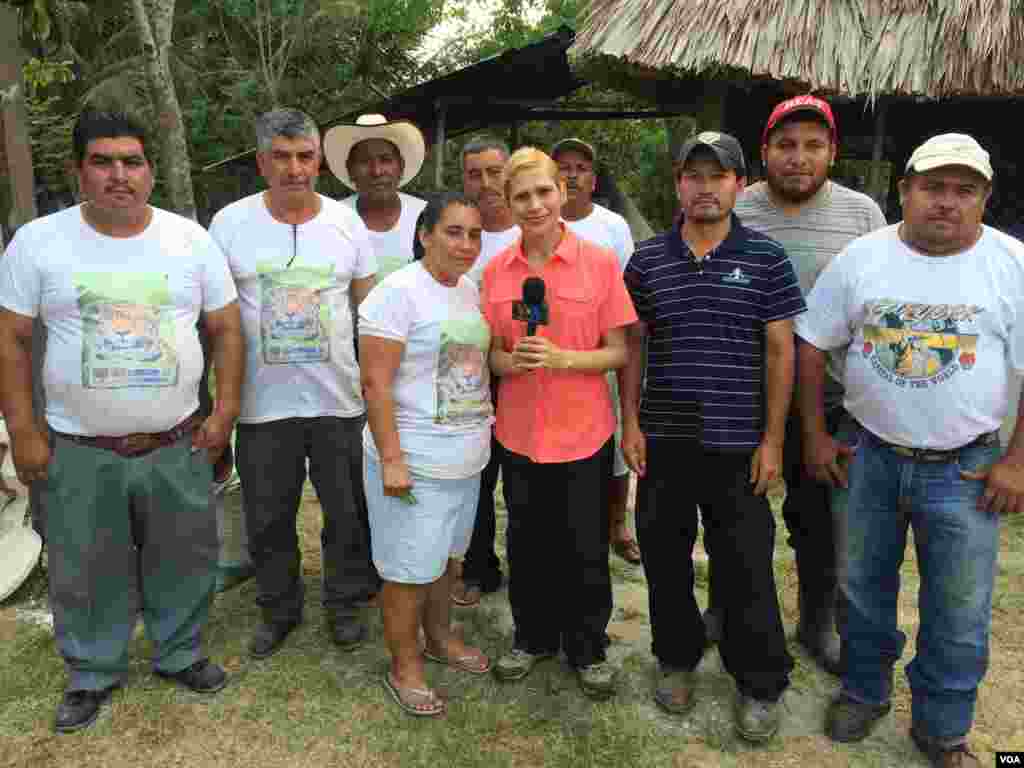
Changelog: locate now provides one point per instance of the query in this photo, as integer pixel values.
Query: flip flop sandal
(628, 550)
(412, 699)
(462, 663)
(472, 596)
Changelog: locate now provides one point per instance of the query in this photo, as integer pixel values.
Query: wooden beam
(439, 108)
(878, 187)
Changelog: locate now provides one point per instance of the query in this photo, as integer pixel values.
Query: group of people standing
(403, 352)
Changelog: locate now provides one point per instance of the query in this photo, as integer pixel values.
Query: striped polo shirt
(705, 333)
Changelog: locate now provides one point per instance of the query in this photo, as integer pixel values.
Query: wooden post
(15, 153)
(439, 145)
(514, 139)
(878, 190)
(711, 116)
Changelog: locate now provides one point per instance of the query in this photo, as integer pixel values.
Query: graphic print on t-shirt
(462, 391)
(295, 314)
(127, 330)
(919, 345)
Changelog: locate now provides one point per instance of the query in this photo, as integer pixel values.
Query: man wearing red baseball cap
(813, 218)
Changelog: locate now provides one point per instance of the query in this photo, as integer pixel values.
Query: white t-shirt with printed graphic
(394, 247)
(608, 229)
(122, 350)
(293, 287)
(491, 244)
(442, 391)
(932, 339)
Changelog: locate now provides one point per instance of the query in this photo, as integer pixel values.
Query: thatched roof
(933, 48)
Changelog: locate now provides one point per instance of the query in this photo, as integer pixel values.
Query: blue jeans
(956, 553)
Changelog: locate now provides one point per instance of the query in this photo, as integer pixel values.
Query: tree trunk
(17, 199)
(154, 20)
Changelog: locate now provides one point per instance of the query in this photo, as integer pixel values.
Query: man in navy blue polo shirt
(716, 302)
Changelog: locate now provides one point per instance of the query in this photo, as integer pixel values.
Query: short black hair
(95, 124)
(432, 213)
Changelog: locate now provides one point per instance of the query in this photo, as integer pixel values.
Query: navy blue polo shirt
(705, 333)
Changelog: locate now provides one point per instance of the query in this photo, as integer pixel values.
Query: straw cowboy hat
(340, 139)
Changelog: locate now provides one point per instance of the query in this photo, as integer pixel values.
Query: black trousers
(481, 565)
(808, 516)
(559, 584)
(272, 466)
(741, 531)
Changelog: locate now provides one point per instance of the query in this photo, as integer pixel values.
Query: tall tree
(154, 22)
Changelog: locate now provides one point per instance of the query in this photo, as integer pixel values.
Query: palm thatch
(932, 48)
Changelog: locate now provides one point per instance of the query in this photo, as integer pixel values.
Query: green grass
(313, 705)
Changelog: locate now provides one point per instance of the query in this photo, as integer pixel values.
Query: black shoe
(79, 709)
(268, 637)
(202, 677)
(849, 720)
(347, 631)
(712, 627)
(958, 756)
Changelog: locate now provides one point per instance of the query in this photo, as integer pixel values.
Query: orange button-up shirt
(557, 415)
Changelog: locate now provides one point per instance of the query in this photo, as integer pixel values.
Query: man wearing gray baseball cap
(928, 308)
(715, 302)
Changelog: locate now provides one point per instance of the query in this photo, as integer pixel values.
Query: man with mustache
(125, 467)
(576, 160)
(483, 180)
(302, 263)
(716, 302)
(929, 309)
(377, 158)
(814, 219)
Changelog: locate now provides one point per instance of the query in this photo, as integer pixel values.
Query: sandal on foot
(628, 550)
(418, 702)
(474, 663)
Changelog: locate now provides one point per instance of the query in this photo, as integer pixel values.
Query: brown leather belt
(934, 455)
(139, 444)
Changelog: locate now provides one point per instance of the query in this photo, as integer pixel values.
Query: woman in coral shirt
(555, 423)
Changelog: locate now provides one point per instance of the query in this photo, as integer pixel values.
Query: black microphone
(533, 299)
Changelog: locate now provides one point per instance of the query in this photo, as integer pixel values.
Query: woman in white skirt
(423, 346)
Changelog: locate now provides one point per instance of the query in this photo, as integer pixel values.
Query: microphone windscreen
(533, 291)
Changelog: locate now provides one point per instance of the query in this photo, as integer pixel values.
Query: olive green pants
(126, 535)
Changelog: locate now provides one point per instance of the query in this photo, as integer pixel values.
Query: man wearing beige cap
(376, 158)
(928, 310)
(576, 166)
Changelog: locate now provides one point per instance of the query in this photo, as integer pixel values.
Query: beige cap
(951, 149)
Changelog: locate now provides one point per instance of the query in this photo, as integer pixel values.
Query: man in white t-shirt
(483, 180)
(576, 160)
(376, 158)
(930, 310)
(126, 470)
(302, 263)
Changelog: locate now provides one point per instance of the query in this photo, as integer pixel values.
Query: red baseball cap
(801, 104)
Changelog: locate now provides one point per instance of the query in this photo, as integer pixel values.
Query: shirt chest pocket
(575, 313)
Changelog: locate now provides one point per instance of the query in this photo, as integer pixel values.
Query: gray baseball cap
(726, 148)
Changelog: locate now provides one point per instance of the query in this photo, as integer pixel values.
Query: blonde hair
(530, 159)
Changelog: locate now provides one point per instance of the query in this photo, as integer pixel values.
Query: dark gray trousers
(272, 466)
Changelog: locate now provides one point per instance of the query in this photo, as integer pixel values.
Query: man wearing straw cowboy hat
(929, 309)
(302, 262)
(125, 472)
(376, 158)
